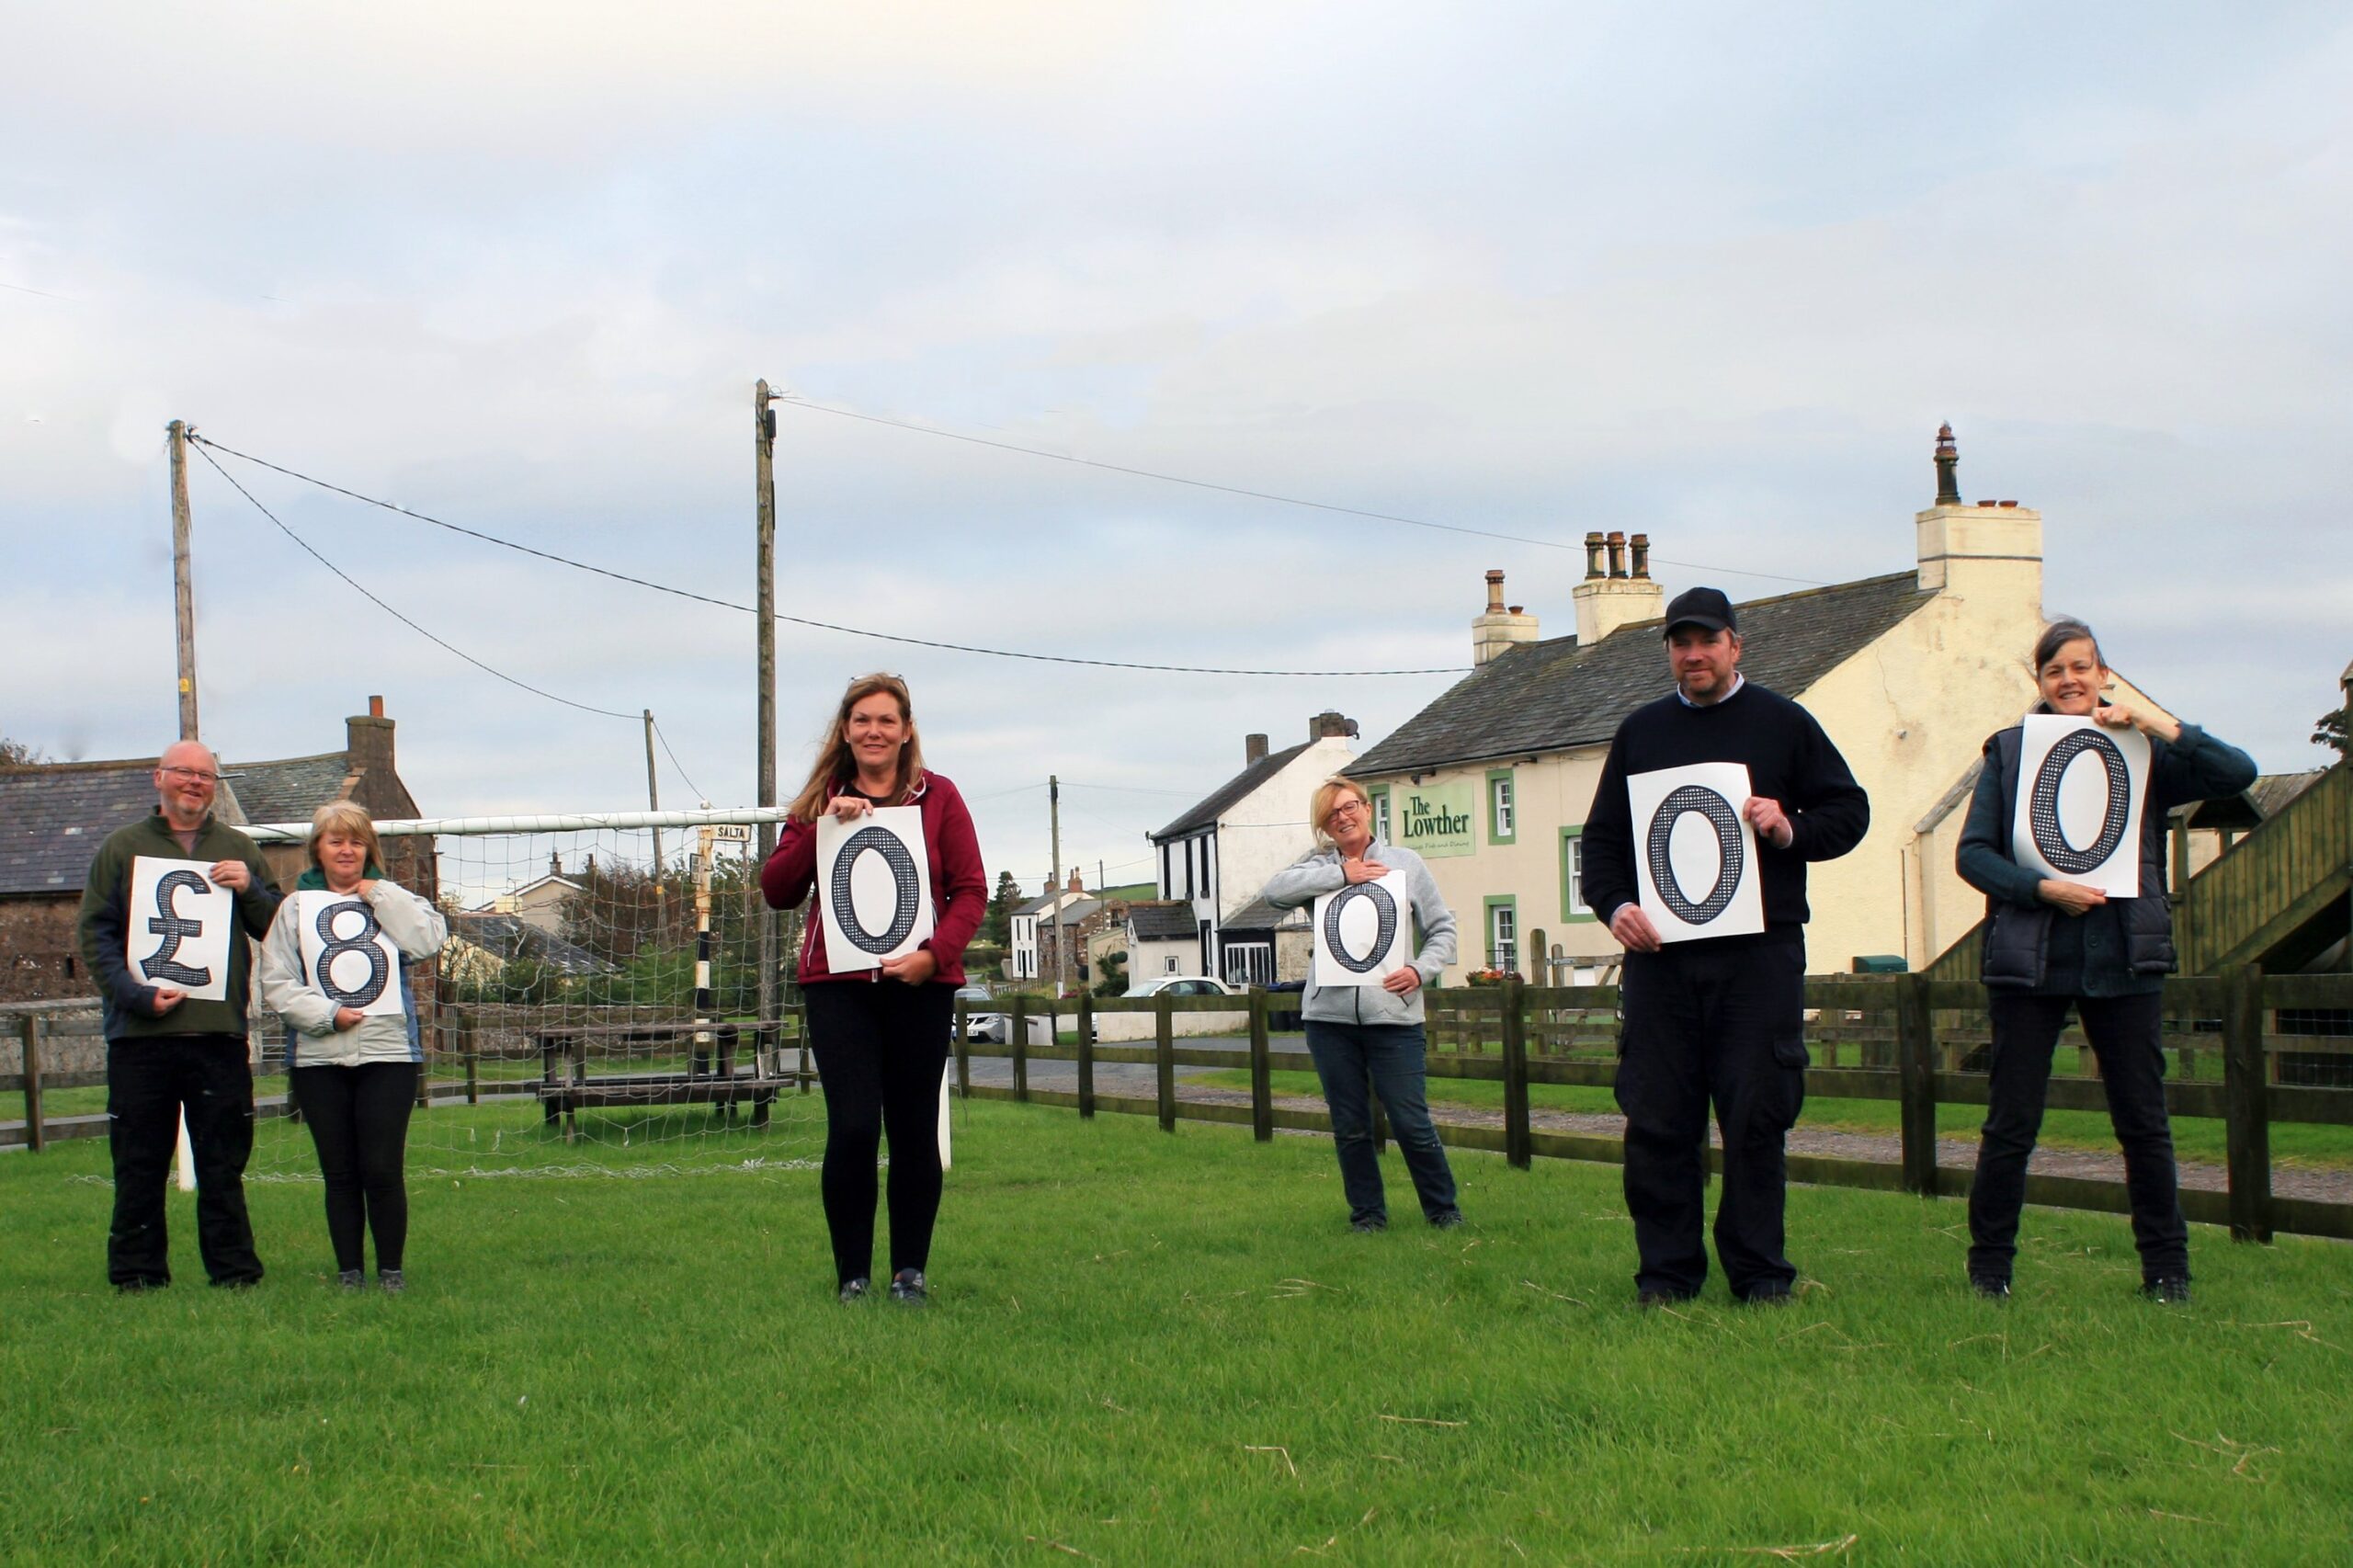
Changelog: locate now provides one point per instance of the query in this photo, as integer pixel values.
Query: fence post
(1518, 1148)
(964, 1067)
(1915, 1064)
(2246, 1110)
(472, 1056)
(1539, 965)
(1086, 1053)
(1019, 1029)
(1262, 1092)
(1164, 1057)
(36, 1136)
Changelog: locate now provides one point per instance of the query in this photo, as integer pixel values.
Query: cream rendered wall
(1553, 791)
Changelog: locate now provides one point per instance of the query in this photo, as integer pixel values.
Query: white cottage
(1216, 856)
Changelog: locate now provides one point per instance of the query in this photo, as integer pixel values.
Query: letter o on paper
(2042, 804)
(1726, 823)
(907, 892)
(1384, 908)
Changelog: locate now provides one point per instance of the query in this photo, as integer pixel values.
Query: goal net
(595, 1010)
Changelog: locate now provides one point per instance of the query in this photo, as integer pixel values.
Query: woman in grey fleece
(1359, 1031)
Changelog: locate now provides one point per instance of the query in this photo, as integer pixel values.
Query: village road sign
(732, 833)
(1433, 820)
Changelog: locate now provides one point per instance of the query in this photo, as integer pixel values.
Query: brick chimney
(1254, 749)
(1076, 885)
(368, 739)
(1619, 593)
(1330, 725)
(1990, 554)
(1498, 629)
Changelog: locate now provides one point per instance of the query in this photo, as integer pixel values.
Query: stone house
(1908, 672)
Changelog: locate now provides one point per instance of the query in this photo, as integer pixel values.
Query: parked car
(974, 998)
(1183, 985)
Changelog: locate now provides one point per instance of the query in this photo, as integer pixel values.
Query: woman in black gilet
(2053, 946)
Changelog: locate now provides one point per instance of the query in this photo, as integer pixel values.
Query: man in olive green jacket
(168, 1052)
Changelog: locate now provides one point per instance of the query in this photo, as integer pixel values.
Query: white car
(1183, 985)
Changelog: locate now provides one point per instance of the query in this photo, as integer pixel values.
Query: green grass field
(1148, 1347)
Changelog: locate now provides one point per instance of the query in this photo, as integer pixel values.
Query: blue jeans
(1390, 1057)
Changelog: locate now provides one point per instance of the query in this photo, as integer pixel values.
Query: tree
(998, 926)
(19, 754)
(2328, 730)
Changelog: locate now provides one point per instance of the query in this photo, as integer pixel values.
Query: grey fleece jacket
(1320, 873)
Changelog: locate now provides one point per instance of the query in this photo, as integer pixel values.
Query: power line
(795, 620)
(681, 766)
(792, 399)
(379, 604)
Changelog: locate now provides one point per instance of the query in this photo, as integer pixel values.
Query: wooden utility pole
(1054, 906)
(764, 500)
(653, 804)
(183, 582)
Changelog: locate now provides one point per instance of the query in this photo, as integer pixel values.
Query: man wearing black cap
(1716, 1018)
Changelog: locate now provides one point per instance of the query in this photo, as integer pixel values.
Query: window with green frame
(1503, 932)
(1503, 807)
(1572, 904)
(1379, 796)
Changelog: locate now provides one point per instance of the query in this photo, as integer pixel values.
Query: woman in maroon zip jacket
(881, 1037)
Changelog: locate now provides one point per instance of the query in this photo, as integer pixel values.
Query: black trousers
(2123, 1032)
(358, 1120)
(881, 1047)
(1707, 1025)
(150, 1083)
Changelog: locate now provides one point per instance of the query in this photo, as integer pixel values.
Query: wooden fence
(1921, 1058)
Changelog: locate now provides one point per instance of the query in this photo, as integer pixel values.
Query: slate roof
(289, 789)
(1216, 804)
(1160, 920)
(1077, 910)
(53, 817)
(1554, 694)
(1259, 915)
(508, 938)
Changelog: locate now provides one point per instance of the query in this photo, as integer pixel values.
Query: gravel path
(1131, 1080)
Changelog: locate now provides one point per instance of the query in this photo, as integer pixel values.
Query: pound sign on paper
(175, 928)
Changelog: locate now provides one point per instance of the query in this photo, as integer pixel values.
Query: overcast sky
(1712, 272)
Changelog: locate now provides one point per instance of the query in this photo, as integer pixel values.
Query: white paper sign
(1363, 933)
(346, 952)
(873, 887)
(1695, 853)
(178, 927)
(2078, 816)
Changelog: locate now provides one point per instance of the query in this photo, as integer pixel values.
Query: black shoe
(906, 1286)
(351, 1278)
(1648, 1300)
(1988, 1289)
(140, 1286)
(1774, 1295)
(2170, 1292)
(1369, 1224)
(391, 1279)
(1447, 1221)
(856, 1289)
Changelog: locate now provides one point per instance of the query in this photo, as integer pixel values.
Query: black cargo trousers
(1714, 1023)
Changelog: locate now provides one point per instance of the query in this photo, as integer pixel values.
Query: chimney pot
(1330, 723)
(1948, 468)
(1989, 503)
(1517, 609)
(1640, 544)
(1617, 542)
(1592, 546)
(375, 708)
(1495, 589)
(2009, 503)
(1254, 749)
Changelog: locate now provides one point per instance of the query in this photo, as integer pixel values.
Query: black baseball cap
(1700, 606)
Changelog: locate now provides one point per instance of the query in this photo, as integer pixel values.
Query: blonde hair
(1328, 795)
(350, 819)
(834, 764)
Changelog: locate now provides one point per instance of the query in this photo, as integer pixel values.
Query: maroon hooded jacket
(960, 888)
